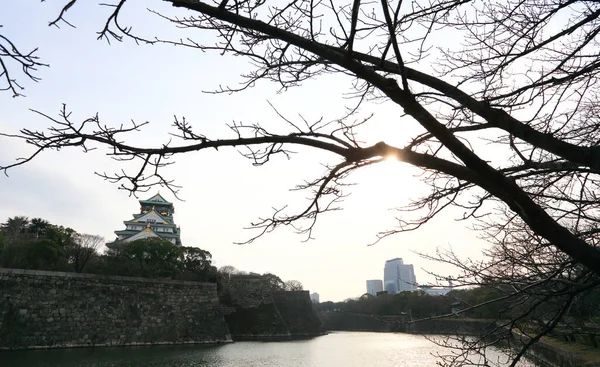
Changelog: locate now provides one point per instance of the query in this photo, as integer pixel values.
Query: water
(343, 349)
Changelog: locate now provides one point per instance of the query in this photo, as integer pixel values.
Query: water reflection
(345, 349)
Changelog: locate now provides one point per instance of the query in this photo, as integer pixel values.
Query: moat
(343, 349)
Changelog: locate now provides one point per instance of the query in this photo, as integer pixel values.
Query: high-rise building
(154, 220)
(374, 286)
(398, 277)
(314, 297)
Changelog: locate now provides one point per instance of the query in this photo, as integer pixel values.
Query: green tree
(195, 259)
(155, 256)
(63, 236)
(37, 227)
(41, 254)
(15, 229)
(196, 263)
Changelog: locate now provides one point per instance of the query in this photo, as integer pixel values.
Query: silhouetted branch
(27, 61)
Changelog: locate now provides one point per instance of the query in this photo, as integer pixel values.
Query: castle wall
(295, 308)
(257, 313)
(41, 309)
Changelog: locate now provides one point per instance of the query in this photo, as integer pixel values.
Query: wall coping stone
(62, 274)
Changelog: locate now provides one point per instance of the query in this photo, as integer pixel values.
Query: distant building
(154, 220)
(399, 277)
(437, 290)
(434, 290)
(374, 286)
(314, 297)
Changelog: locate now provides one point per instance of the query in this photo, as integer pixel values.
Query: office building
(314, 297)
(398, 277)
(374, 286)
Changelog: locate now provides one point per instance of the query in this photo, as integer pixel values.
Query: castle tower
(154, 220)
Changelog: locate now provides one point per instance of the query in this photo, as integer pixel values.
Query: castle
(154, 220)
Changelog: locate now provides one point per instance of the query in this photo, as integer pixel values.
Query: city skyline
(402, 276)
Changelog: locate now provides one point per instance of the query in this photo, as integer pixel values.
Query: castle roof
(152, 214)
(156, 200)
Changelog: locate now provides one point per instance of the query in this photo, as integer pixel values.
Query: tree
(195, 259)
(228, 270)
(524, 80)
(33, 244)
(293, 285)
(14, 229)
(63, 236)
(155, 256)
(14, 232)
(539, 155)
(83, 249)
(37, 227)
(274, 283)
(39, 254)
(197, 263)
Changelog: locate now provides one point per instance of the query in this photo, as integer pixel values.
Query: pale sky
(222, 192)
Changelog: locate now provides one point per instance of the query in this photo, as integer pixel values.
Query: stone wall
(257, 313)
(247, 292)
(40, 309)
(297, 312)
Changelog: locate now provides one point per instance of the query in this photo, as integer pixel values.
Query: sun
(390, 157)
(389, 177)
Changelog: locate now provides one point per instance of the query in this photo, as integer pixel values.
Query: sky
(222, 193)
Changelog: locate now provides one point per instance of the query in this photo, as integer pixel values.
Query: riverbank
(552, 352)
(347, 321)
(548, 351)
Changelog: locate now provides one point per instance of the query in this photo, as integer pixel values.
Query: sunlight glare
(388, 183)
(390, 157)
